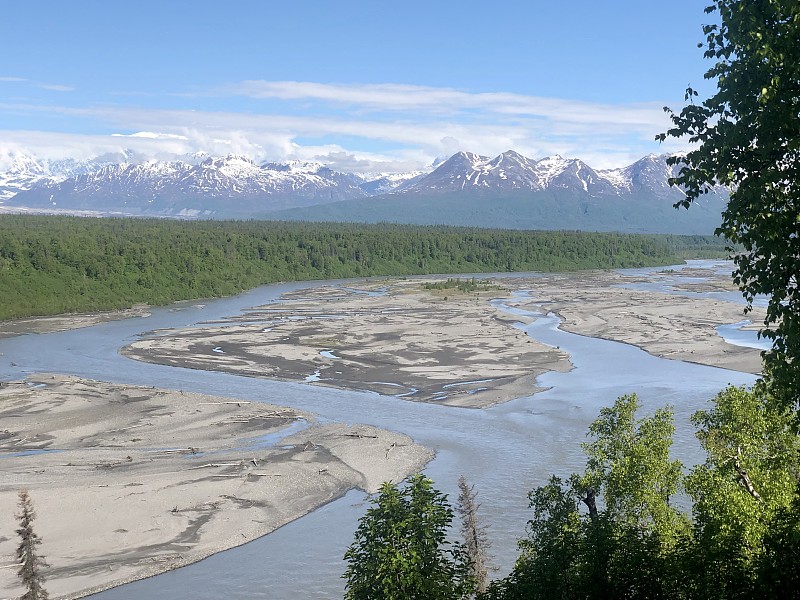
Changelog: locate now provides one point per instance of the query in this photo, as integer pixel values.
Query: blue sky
(362, 85)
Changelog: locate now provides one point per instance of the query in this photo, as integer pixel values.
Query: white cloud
(364, 128)
(399, 97)
(54, 87)
(151, 135)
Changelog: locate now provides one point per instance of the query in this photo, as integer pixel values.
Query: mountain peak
(211, 185)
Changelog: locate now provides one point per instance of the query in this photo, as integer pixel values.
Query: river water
(505, 451)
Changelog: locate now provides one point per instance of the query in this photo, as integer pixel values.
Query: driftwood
(189, 450)
(394, 444)
(236, 402)
(130, 427)
(110, 465)
(360, 435)
(214, 465)
(259, 417)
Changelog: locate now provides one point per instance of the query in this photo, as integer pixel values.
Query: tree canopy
(401, 551)
(747, 138)
(616, 530)
(51, 265)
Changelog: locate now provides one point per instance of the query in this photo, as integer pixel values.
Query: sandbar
(398, 337)
(679, 324)
(129, 481)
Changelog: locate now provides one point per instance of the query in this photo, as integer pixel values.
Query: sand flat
(438, 346)
(131, 481)
(397, 338)
(668, 325)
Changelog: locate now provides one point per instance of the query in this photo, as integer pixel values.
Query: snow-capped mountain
(20, 171)
(510, 171)
(199, 185)
(387, 183)
(231, 185)
(649, 173)
(511, 191)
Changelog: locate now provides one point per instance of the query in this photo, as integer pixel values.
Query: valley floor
(130, 481)
(403, 339)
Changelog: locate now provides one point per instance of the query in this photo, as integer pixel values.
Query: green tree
(743, 494)
(473, 532)
(31, 564)
(778, 572)
(748, 139)
(401, 550)
(629, 466)
(621, 545)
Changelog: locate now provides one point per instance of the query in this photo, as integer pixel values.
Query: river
(505, 451)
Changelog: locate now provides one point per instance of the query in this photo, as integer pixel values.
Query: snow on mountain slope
(203, 185)
(21, 171)
(510, 171)
(175, 186)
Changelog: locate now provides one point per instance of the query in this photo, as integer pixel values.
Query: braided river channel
(505, 451)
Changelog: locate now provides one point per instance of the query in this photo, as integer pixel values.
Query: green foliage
(748, 136)
(462, 285)
(778, 575)
(630, 468)
(621, 548)
(746, 487)
(744, 537)
(51, 265)
(401, 552)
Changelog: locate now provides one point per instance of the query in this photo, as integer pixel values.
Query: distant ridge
(508, 191)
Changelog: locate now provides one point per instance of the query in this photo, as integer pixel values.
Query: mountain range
(508, 191)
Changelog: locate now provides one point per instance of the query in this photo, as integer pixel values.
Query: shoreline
(68, 321)
(392, 337)
(667, 325)
(152, 480)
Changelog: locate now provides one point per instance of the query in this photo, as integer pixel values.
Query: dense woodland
(51, 265)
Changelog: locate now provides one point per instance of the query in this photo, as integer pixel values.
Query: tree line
(51, 265)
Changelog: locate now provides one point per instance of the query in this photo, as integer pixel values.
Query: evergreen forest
(52, 265)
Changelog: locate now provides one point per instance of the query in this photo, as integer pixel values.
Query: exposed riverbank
(67, 321)
(130, 481)
(399, 338)
(392, 337)
(678, 323)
